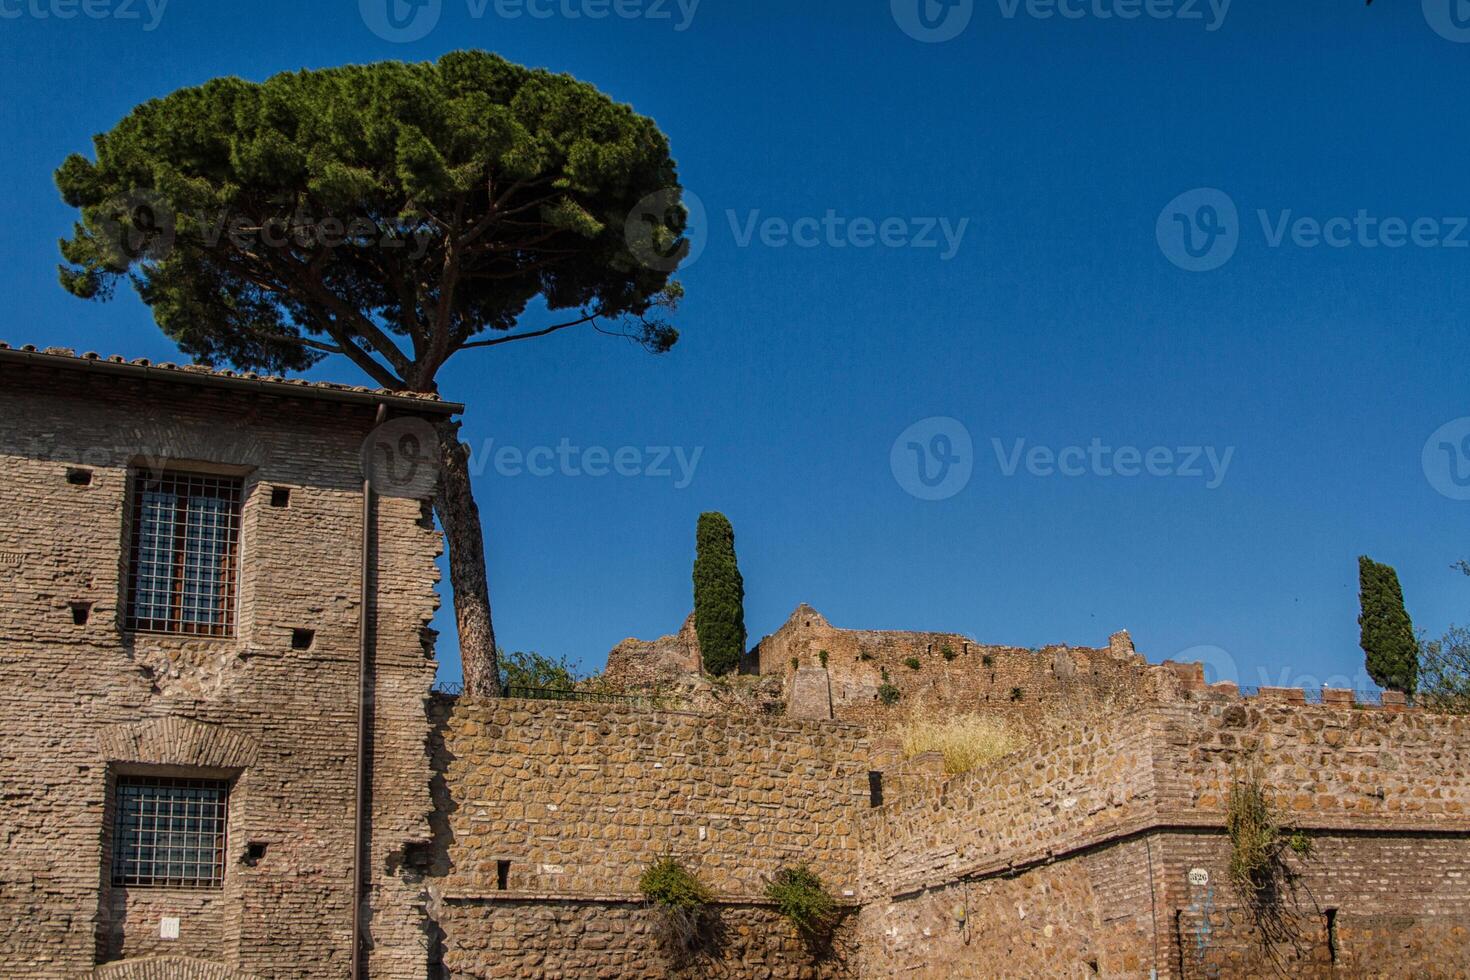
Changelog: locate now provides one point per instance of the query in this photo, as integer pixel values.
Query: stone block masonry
(84, 700)
(555, 810)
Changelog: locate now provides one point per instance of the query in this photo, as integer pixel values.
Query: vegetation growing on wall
(1258, 842)
(803, 900)
(525, 673)
(682, 900)
(719, 595)
(967, 742)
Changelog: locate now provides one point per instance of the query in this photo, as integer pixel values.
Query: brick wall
(953, 672)
(79, 703)
(578, 799)
(1101, 851)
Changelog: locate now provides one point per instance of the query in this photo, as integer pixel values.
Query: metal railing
(455, 689)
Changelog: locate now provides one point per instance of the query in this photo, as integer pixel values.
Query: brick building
(185, 627)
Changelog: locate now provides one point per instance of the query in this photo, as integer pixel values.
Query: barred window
(169, 833)
(186, 531)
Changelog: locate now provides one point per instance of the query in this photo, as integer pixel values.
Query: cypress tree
(719, 596)
(1388, 635)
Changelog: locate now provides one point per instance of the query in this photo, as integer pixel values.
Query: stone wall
(1101, 850)
(82, 702)
(552, 804)
(941, 672)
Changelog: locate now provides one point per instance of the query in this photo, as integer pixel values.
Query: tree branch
(536, 333)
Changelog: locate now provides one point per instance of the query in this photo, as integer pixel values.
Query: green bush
(948, 653)
(864, 656)
(800, 897)
(912, 663)
(986, 660)
(823, 655)
(668, 884)
(795, 664)
(681, 898)
(1017, 694)
(719, 596)
(888, 694)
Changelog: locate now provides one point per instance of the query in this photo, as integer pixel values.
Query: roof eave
(260, 386)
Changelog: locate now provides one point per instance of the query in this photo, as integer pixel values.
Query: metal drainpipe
(362, 714)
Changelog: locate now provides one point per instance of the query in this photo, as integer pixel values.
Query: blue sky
(1053, 149)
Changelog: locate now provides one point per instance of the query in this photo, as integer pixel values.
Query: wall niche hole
(280, 496)
(875, 789)
(302, 639)
(502, 875)
(81, 612)
(78, 476)
(255, 852)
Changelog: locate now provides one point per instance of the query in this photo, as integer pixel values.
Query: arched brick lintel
(168, 968)
(177, 742)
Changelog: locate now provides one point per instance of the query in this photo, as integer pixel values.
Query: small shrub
(986, 660)
(864, 656)
(800, 897)
(682, 899)
(966, 742)
(1257, 840)
(888, 694)
(795, 664)
(1017, 694)
(948, 653)
(912, 663)
(823, 656)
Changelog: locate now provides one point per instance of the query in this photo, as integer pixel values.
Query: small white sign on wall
(1199, 877)
(168, 927)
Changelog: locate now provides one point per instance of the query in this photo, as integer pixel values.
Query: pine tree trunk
(460, 518)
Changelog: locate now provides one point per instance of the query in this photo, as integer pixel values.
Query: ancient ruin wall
(555, 809)
(950, 672)
(1103, 850)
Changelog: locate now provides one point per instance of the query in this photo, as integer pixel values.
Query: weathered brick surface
(563, 938)
(79, 701)
(579, 799)
(1005, 681)
(1077, 853)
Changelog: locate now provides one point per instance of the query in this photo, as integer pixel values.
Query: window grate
(186, 532)
(170, 833)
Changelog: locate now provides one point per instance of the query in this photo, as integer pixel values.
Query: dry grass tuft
(966, 741)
